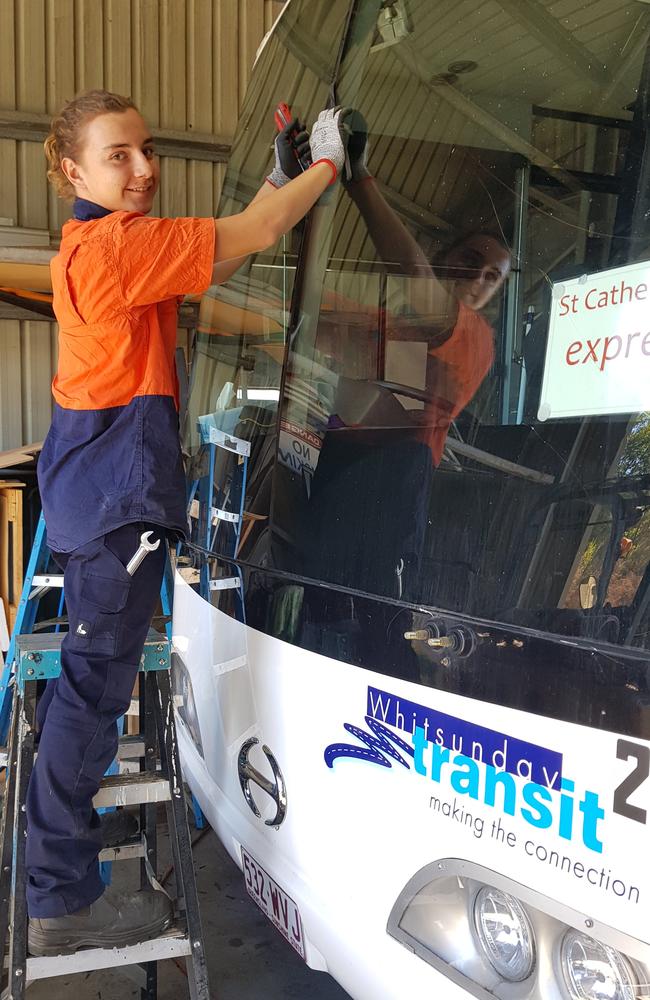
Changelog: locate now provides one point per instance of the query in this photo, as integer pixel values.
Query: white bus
(411, 625)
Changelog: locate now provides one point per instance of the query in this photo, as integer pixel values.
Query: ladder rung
(130, 747)
(229, 442)
(124, 852)
(174, 944)
(223, 515)
(132, 789)
(48, 581)
(225, 583)
(216, 513)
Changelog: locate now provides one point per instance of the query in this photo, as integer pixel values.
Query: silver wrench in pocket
(145, 547)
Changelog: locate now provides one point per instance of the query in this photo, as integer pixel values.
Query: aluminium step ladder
(158, 780)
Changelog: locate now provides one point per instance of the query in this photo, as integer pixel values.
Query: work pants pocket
(97, 592)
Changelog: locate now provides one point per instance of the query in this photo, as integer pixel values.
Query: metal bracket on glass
(225, 583)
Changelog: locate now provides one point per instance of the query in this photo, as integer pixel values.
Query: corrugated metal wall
(185, 62)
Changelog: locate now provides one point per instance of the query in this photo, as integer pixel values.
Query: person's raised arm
(282, 200)
(396, 247)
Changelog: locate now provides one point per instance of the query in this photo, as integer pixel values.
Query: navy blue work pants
(109, 614)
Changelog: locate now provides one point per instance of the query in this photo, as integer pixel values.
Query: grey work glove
(329, 137)
(292, 154)
(357, 148)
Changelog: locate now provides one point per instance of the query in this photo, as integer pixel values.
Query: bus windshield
(449, 405)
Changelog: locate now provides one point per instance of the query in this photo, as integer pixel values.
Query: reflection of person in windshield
(443, 298)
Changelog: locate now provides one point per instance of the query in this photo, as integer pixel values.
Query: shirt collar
(84, 211)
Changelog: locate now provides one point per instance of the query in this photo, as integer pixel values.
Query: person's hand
(329, 138)
(357, 148)
(292, 153)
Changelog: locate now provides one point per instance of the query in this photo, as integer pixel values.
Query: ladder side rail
(26, 712)
(106, 867)
(167, 595)
(199, 818)
(197, 973)
(7, 825)
(162, 715)
(238, 531)
(209, 496)
(238, 535)
(203, 531)
(242, 498)
(59, 614)
(148, 813)
(215, 495)
(167, 601)
(37, 565)
(25, 618)
(223, 516)
(237, 495)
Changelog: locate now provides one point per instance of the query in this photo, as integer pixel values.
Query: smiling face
(477, 267)
(116, 166)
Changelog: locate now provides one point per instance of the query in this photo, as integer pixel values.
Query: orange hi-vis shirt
(117, 283)
(456, 369)
(112, 455)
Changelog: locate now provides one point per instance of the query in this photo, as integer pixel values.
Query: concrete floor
(248, 959)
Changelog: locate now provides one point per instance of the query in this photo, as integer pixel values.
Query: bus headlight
(504, 933)
(594, 971)
(500, 940)
(183, 700)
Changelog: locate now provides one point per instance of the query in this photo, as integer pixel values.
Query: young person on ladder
(111, 469)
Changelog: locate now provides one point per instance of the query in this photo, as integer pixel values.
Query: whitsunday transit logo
(480, 763)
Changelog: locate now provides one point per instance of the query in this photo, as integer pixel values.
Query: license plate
(274, 902)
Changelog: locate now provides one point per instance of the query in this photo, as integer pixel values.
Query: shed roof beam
(559, 210)
(475, 113)
(14, 312)
(422, 218)
(15, 308)
(27, 127)
(306, 49)
(555, 38)
(506, 136)
(632, 51)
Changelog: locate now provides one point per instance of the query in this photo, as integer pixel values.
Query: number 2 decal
(636, 777)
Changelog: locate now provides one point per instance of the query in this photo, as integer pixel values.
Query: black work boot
(115, 920)
(117, 827)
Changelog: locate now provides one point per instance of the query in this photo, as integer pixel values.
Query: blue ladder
(220, 507)
(38, 580)
(37, 571)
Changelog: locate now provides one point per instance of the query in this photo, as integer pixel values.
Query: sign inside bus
(598, 348)
(299, 449)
